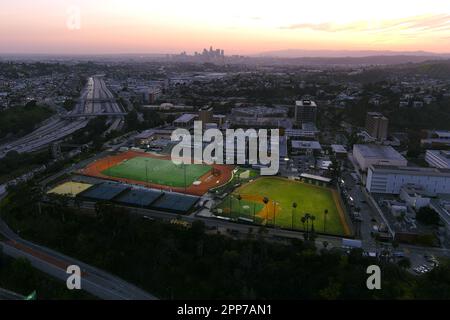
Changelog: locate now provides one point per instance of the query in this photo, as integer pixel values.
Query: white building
(437, 138)
(438, 158)
(305, 147)
(414, 196)
(185, 121)
(391, 179)
(372, 154)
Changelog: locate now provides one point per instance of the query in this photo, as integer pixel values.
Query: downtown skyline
(239, 27)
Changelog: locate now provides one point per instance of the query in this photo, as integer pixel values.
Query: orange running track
(209, 181)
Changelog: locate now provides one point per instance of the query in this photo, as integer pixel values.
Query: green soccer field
(158, 171)
(309, 198)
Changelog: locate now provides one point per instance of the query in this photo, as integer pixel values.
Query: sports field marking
(309, 198)
(160, 171)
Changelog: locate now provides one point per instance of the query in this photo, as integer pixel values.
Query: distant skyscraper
(305, 111)
(377, 125)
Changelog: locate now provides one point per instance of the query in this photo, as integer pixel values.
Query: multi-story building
(391, 179)
(436, 139)
(185, 121)
(377, 125)
(305, 111)
(438, 158)
(299, 147)
(372, 154)
(339, 151)
(206, 115)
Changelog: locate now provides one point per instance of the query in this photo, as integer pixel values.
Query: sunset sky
(238, 26)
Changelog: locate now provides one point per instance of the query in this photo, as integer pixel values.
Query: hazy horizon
(239, 27)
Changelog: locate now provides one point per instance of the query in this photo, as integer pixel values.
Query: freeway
(95, 281)
(9, 295)
(63, 125)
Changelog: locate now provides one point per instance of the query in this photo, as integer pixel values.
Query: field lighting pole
(146, 171)
(185, 188)
(229, 204)
(274, 212)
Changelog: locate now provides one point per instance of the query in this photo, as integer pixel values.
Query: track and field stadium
(158, 171)
(279, 211)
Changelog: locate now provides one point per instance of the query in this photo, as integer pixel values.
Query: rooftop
(305, 102)
(187, 117)
(378, 151)
(306, 145)
(339, 148)
(442, 134)
(376, 115)
(417, 171)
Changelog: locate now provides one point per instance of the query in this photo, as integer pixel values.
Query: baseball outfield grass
(279, 211)
(159, 171)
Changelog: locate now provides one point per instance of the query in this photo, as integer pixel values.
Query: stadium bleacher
(173, 202)
(139, 197)
(104, 191)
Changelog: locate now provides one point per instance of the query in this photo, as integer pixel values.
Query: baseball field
(281, 193)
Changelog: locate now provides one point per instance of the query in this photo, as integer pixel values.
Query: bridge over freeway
(94, 114)
(96, 100)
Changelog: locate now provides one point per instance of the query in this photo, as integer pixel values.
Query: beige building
(377, 125)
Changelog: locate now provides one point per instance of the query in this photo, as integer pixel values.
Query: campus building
(391, 179)
(436, 139)
(377, 125)
(305, 111)
(438, 158)
(372, 154)
(185, 121)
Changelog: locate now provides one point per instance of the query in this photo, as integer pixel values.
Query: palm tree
(239, 197)
(325, 213)
(307, 217)
(312, 217)
(294, 206)
(312, 234)
(303, 220)
(266, 201)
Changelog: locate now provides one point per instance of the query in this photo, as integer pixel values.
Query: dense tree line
(91, 133)
(150, 119)
(175, 262)
(22, 120)
(13, 161)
